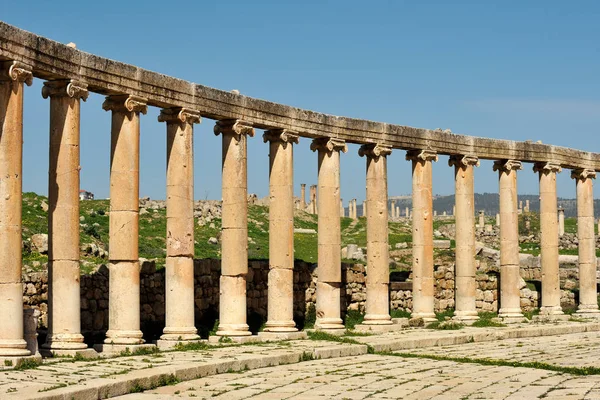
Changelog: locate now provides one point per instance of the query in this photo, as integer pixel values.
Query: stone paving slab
(383, 377)
(118, 376)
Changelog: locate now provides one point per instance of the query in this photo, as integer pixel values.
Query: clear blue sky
(503, 69)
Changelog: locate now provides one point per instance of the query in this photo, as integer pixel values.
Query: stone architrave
(588, 295)
(329, 276)
(280, 313)
(378, 270)
(422, 232)
(561, 222)
(466, 286)
(124, 265)
(549, 238)
(179, 269)
(64, 322)
(234, 239)
(510, 296)
(12, 77)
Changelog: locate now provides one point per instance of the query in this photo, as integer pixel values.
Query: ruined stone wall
(94, 290)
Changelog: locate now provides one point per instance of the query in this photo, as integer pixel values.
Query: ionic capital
(179, 115)
(233, 127)
(280, 135)
(125, 103)
(374, 150)
(67, 87)
(463, 161)
(16, 71)
(546, 167)
(583, 173)
(421, 155)
(329, 145)
(507, 165)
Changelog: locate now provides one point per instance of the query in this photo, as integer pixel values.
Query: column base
(233, 330)
(280, 326)
(510, 313)
(377, 319)
(426, 317)
(511, 320)
(84, 353)
(64, 341)
(588, 313)
(551, 310)
(329, 324)
(120, 349)
(550, 317)
(587, 308)
(466, 319)
(14, 348)
(163, 344)
(277, 336)
(180, 334)
(16, 361)
(122, 337)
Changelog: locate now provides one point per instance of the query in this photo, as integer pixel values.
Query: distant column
(303, 196)
(561, 222)
(179, 269)
(234, 239)
(281, 231)
(422, 232)
(397, 211)
(510, 296)
(497, 219)
(12, 76)
(364, 209)
(124, 266)
(588, 296)
(313, 199)
(378, 270)
(329, 235)
(465, 237)
(342, 211)
(526, 206)
(549, 238)
(481, 220)
(64, 322)
(407, 212)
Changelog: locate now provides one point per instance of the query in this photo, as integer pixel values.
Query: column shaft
(588, 296)
(12, 76)
(124, 266)
(281, 231)
(422, 232)
(179, 276)
(465, 268)
(234, 239)
(510, 296)
(378, 269)
(549, 238)
(64, 326)
(329, 236)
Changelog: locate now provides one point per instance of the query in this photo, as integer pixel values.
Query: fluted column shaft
(12, 76)
(588, 296)
(124, 266)
(179, 269)
(549, 237)
(378, 270)
(280, 307)
(64, 322)
(422, 233)
(510, 296)
(465, 269)
(302, 196)
(234, 239)
(329, 275)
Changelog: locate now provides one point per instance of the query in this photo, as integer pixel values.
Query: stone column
(303, 196)
(364, 209)
(510, 295)
(397, 211)
(407, 213)
(561, 221)
(588, 296)
(549, 238)
(313, 199)
(234, 239)
(329, 235)
(281, 231)
(465, 268)
(481, 220)
(179, 268)
(342, 211)
(12, 76)
(497, 219)
(378, 269)
(526, 206)
(64, 322)
(422, 232)
(124, 265)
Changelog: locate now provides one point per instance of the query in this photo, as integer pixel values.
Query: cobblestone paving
(383, 377)
(574, 350)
